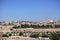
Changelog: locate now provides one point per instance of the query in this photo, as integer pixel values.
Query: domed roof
(51, 21)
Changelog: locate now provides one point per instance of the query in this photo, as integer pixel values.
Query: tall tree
(53, 36)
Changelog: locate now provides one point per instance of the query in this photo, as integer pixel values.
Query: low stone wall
(24, 38)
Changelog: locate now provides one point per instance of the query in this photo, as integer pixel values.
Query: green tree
(16, 26)
(53, 36)
(57, 26)
(10, 34)
(44, 35)
(34, 35)
(4, 35)
(20, 34)
(22, 26)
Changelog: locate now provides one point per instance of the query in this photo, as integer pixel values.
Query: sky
(29, 10)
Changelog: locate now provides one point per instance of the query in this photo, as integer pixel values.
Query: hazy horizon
(29, 10)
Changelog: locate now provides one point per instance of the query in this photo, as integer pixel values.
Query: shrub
(20, 34)
(34, 35)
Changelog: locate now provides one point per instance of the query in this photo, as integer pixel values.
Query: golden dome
(51, 21)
